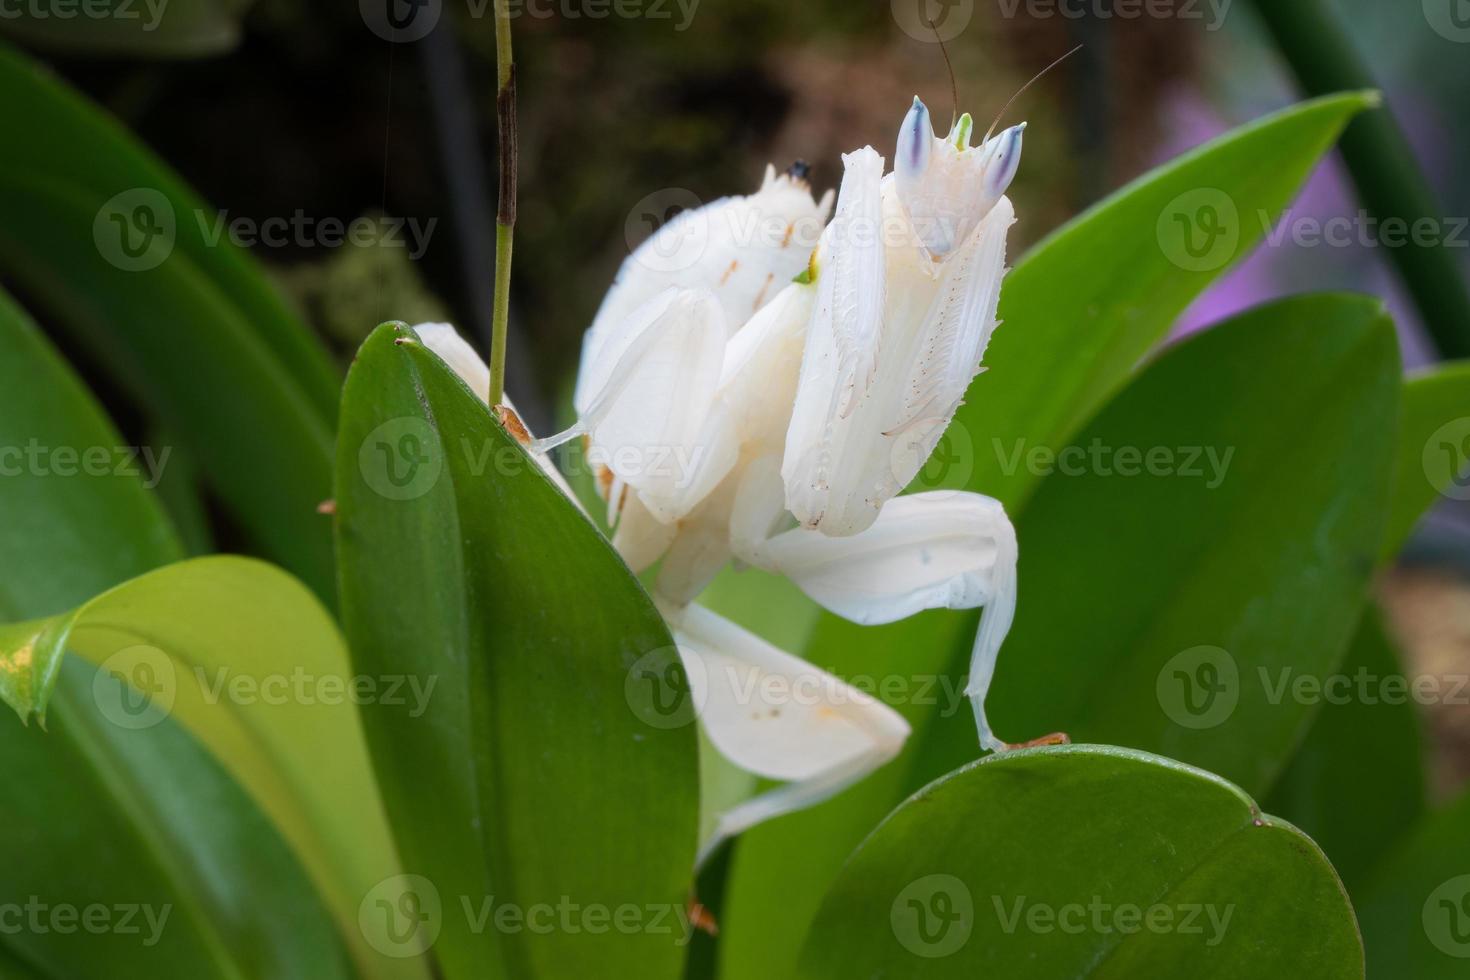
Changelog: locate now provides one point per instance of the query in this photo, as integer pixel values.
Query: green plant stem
(505, 217)
(1382, 165)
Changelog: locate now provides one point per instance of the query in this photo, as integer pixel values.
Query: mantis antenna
(954, 86)
(999, 115)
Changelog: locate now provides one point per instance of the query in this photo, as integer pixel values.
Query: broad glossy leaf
(1083, 861)
(1433, 461)
(1079, 312)
(149, 28)
(1091, 300)
(141, 829)
(102, 814)
(1415, 906)
(1177, 609)
(249, 663)
(120, 255)
(1236, 573)
(531, 779)
(1357, 782)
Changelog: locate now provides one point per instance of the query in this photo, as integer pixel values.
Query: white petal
(761, 369)
(699, 549)
(453, 350)
(743, 250)
(938, 319)
(843, 338)
(640, 537)
(653, 423)
(850, 287)
(939, 550)
(759, 507)
(779, 717)
(957, 188)
(957, 327)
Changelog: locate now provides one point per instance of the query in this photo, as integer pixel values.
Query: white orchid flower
(909, 275)
(792, 414)
(770, 713)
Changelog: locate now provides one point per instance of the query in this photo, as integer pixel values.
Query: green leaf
(148, 28)
(1121, 575)
(1091, 300)
(532, 778)
(1079, 312)
(1176, 611)
(1434, 448)
(103, 814)
(127, 260)
(1083, 861)
(247, 660)
(1357, 782)
(144, 828)
(1415, 908)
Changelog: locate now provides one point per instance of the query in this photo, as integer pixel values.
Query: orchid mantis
(765, 402)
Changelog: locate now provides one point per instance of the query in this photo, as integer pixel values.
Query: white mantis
(776, 425)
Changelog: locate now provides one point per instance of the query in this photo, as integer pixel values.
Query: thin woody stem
(505, 217)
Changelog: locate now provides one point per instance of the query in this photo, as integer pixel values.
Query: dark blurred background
(301, 108)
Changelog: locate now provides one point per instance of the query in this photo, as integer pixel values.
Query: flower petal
(654, 422)
(939, 550)
(779, 717)
(742, 250)
(455, 351)
(938, 319)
